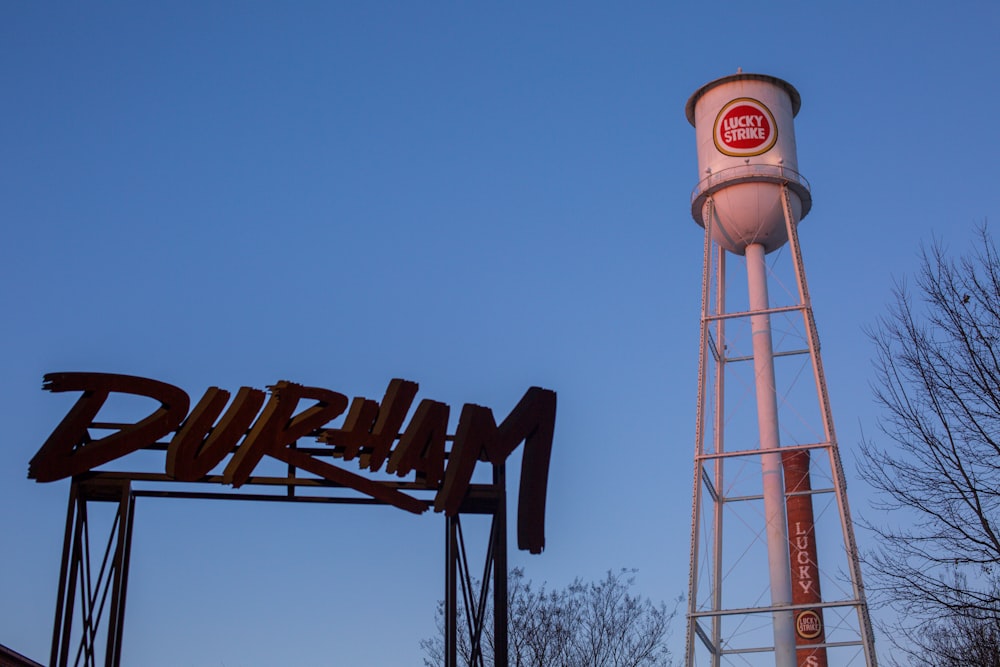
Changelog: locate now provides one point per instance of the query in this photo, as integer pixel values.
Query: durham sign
(257, 425)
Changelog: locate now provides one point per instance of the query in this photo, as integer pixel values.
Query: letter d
(70, 451)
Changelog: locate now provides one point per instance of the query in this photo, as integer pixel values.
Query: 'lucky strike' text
(745, 127)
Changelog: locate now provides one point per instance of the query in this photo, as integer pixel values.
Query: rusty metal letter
(422, 445)
(276, 428)
(532, 421)
(191, 455)
(475, 427)
(372, 429)
(70, 451)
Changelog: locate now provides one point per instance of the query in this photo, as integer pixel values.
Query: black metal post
(79, 592)
(451, 593)
(123, 553)
(500, 649)
(67, 583)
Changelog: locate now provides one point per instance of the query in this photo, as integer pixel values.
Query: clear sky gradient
(476, 196)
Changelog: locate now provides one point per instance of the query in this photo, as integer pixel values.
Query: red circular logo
(745, 127)
(808, 624)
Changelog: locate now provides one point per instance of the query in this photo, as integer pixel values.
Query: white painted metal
(776, 524)
(746, 183)
(839, 482)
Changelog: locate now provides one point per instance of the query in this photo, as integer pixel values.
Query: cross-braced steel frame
(475, 602)
(717, 629)
(90, 610)
(93, 591)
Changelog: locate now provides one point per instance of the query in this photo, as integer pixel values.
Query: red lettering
(532, 421)
(743, 127)
(367, 486)
(191, 455)
(70, 450)
(422, 445)
(276, 429)
(368, 433)
(372, 429)
(475, 427)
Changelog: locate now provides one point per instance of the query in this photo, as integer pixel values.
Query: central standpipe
(779, 568)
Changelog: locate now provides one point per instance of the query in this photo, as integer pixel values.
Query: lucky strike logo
(808, 624)
(745, 127)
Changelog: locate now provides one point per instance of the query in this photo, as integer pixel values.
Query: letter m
(532, 421)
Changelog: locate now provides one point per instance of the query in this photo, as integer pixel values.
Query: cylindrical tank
(746, 152)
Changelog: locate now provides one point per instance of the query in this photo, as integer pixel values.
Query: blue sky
(478, 197)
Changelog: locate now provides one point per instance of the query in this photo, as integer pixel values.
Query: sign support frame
(82, 598)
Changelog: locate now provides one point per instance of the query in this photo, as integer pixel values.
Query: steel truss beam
(92, 592)
(724, 630)
(457, 572)
(85, 596)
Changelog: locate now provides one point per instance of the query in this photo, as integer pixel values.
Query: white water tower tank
(746, 152)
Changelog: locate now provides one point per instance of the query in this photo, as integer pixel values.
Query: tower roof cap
(743, 76)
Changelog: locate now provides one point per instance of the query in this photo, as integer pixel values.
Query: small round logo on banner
(745, 127)
(808, 624)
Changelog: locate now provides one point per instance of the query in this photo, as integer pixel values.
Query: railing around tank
(746, 173)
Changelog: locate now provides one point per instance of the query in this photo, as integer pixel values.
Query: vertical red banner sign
(802, 551)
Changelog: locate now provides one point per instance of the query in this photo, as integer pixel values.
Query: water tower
(775, 578)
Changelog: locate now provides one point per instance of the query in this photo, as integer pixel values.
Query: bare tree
(965, 639)
(583, 625)
(937, 470)
(962, 641)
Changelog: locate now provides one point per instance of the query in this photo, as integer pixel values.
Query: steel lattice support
(92, 589)
(94, 570)
(92, 585)
(459, 581)
(731, 607)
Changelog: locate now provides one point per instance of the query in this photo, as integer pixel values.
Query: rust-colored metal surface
(92, 587)
(803, 557)
(257, 426)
